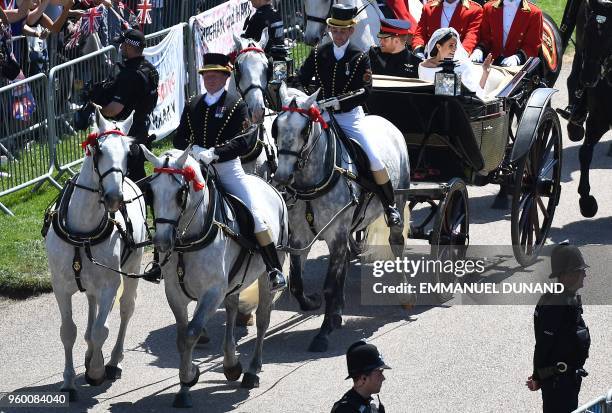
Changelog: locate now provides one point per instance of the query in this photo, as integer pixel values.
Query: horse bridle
(314, 116)
(92, 140)
(252, 86)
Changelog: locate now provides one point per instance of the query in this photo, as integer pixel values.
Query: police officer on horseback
(562, 337)
(214, 123)
(133, 89)
(338, 68)
(264, 17)
(365, 367)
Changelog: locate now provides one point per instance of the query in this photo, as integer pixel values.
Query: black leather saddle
(243, 217)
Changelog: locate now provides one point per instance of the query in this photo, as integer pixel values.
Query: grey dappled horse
(302, 145)
(101, 187)
(206, 270)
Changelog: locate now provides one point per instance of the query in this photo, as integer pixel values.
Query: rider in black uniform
(265, 16)
(393, 57)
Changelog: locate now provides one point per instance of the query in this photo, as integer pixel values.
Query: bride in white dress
(445, 43)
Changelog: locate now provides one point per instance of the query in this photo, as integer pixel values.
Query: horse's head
(315, 13)
(109, 148)
(251, 71)
(296, 130)
(176, 180)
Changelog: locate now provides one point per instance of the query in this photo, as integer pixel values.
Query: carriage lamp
(447, 82)
(282, 63)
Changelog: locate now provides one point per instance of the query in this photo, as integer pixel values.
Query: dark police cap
(363, 358)
(216, 62)
(394, 27)
(342, 15)
(132, 37)
(566, 258)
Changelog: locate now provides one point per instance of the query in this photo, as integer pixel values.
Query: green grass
(553, 7)
(23, 259)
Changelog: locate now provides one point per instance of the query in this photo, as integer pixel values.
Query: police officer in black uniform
(265, 16)
(339, 67)
(365, 367)
(133, 89)
(215, 123)
(393, 58)
(562, 337)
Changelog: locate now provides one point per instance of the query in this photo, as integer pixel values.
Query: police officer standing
(365, 366)
(215, 123)
(562, 337)
(133, 89)
(265, 16)
(392, 58)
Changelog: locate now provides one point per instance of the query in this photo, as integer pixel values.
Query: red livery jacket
(401, 11)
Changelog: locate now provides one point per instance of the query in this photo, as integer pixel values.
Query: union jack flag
(8, 4)
(144, 12)
(90, 21)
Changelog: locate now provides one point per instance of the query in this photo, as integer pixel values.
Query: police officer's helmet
(362, 358)
(132, 37)
(566, 258)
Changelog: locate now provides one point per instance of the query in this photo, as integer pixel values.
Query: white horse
(368, 21)
(100, 189)
(182, 206)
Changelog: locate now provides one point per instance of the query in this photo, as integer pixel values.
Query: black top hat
(363, 358)
(342, 15)
(132, 37)
(394, 27)
(216, 62)
(566, 258)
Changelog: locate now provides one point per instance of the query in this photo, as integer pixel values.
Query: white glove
(477, 56)
(331, 104)
(513, 60)
(204, 155)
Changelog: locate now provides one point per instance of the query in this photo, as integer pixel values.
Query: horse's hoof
(182, 401)
(72, 394)
(204, 339)
(311, 302)
(244, 320)
(195, 379)
(575, 132)
(319, 345)
(233, 373)
(336, 321)
(112, 372)
(588, 206)
(249, 381)
(501, 202)
(94, 382)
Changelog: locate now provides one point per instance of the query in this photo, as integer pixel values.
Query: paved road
(448, 358)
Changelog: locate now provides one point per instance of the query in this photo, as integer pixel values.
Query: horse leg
(231, 365)
(68, 332)
(309, 302)
(91, 316)
(95, 374)
(189, 373)
(126, 310)
(396, 234)
(178, 304)
(262, 319)
(334, 295)
(588, 203)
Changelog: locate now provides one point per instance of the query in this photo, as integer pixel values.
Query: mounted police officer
(393, 58)
(133, 89)
(214, 124)
(365, 367)
(562, 337)
(338, 68)
(264, 17)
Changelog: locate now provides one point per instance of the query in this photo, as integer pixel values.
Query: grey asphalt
(447, 358)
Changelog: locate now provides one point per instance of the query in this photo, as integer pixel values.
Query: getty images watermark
(478, 275)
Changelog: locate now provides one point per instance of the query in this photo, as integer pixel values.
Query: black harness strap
(309, 215)
(180, 272)
(77, 266)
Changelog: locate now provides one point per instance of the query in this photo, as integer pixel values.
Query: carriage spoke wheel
(450, 234)
(537, 187)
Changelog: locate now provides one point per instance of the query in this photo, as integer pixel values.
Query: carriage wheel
(450, 233)
(537, 187)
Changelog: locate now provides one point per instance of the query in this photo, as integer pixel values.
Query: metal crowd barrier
(67, 83)
(292, 13)
(25, 150)
(602, 404)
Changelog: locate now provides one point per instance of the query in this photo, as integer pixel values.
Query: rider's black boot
(154, 273)
(394, 218)
(277, 280)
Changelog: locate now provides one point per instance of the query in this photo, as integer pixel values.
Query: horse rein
(314, 116)
(252, 86)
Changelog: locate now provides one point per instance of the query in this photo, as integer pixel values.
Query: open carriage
(512, 138)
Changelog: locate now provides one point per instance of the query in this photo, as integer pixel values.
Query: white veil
(460, 54)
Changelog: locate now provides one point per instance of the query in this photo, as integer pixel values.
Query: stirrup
(153, 274)
(278, 281)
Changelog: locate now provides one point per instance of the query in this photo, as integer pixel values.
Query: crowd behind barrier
(37, 140)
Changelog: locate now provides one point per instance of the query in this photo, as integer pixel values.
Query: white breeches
(236, 182)
(354, 124)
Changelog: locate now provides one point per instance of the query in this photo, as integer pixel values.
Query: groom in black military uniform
(562, 337)
(392, 57)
